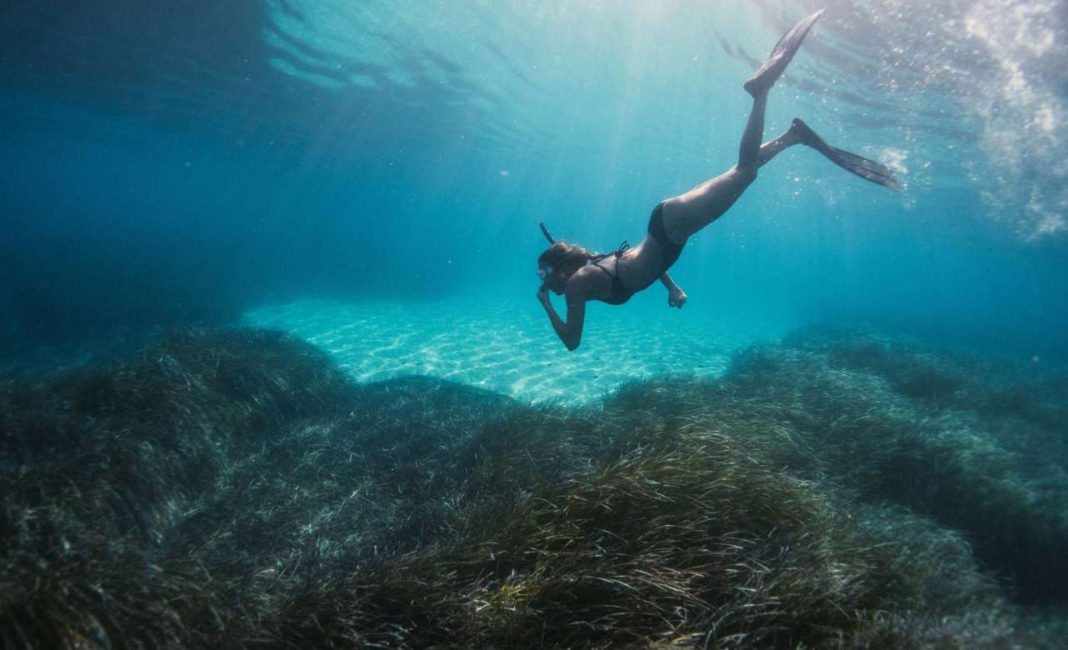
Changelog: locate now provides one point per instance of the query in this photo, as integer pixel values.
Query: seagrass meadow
(232, 488)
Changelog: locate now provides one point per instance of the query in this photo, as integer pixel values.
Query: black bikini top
(620, 293)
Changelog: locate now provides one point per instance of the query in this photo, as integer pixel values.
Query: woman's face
(553, 279)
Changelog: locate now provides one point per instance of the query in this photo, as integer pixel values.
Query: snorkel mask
(546, 271)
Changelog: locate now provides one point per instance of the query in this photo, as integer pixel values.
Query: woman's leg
(687, 213)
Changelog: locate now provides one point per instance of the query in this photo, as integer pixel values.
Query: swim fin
(766, 76)
(851, 162)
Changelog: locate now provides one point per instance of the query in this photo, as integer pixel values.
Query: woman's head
(559, 262)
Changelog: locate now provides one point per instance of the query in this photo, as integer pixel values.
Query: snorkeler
(570, 270)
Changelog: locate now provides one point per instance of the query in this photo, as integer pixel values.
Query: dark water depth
(183, 162)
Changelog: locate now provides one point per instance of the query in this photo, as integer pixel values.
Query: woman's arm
(570, 332)
(676, 296)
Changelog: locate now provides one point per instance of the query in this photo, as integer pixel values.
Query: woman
(572, 271)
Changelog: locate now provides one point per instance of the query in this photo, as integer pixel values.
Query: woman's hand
(543, 295)
(676, 298)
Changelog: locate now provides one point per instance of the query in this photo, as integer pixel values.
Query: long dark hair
(562, 255)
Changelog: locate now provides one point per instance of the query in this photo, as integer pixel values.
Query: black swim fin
(766, 76)
(851, 162)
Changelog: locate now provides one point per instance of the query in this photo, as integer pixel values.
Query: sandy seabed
(509, 349)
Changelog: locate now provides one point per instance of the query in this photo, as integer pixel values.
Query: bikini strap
(617, 253)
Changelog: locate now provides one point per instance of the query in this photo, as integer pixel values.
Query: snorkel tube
(545, 231)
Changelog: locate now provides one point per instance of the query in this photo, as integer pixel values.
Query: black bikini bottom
(620, 292)
(670, 249)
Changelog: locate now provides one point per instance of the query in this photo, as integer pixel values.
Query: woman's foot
(869, 170)
(804, 134)
(764, 78)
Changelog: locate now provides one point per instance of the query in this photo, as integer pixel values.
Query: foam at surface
(508, 348)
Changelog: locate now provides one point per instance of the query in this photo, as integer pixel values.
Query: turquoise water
(273, 372)
(198, 165)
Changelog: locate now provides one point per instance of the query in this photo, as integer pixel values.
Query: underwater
(534, 324)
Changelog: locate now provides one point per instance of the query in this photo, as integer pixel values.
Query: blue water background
(184, 162)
